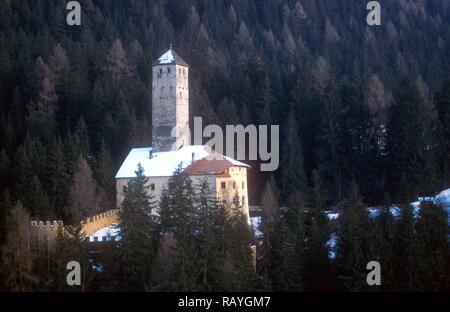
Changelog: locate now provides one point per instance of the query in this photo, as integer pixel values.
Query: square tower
(170, 102)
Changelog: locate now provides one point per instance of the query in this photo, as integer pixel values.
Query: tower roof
(170, 58)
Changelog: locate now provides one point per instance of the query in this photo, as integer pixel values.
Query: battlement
(94, 223)
(47, 231)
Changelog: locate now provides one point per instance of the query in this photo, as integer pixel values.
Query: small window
(171, 185)
(224, 201)
(234, 184)
(243, 185)
(180, 95)
(223, 185)
(183, 71)
(243, 200)
(171, 89)
(160, 70)
(163, 131)
(152, 187)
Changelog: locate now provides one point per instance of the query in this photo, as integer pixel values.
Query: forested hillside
(367, 109)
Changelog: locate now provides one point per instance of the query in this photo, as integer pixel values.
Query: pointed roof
(170, 58)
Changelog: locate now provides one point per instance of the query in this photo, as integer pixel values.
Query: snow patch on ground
(256, 226)
(106, 234)
(332, 215)
(331, 244)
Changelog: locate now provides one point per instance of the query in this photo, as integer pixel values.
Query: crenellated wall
(47, 231)
(100, 221)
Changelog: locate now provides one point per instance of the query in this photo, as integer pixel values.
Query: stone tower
(170, 102)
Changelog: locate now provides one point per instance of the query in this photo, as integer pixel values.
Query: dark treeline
(197, 244)
(357, 105)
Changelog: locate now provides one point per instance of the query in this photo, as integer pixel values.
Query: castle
(171, 142)
(171, 147)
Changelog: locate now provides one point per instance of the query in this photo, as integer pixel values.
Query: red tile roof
(207, 166)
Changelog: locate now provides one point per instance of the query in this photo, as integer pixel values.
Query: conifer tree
(239, 261)
(433, 248)
(353, 250)
(405, 248)
(293, 178)
(317, 265)
(409, 145)
(135, 249)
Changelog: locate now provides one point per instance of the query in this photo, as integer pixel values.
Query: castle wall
(100, 221)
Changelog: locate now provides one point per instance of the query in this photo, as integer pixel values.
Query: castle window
(160, 70)
(152, 186)
(168, 69)
(234, 184)
(223, 185)
(243, 185)
(243, 200)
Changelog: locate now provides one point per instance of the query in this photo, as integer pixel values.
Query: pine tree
(184, 216)
(433, 248)
(409, 145)
(442, 100)
(270, 216)
(285, 272)
(353, 249)
(209, 265)
(136, 251)
(239, 260)
(57, 179)
(317, 265)
(6, 206)
(293, 178)
(105, 171)
(383, 244)
(405, 248)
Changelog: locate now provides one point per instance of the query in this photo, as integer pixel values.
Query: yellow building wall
(237, 182)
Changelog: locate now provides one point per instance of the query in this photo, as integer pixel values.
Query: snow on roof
(163, 164)
(170, 58)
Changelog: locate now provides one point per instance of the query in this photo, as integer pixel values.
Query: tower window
(223, 185)
(163, 131)
(160, 70)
